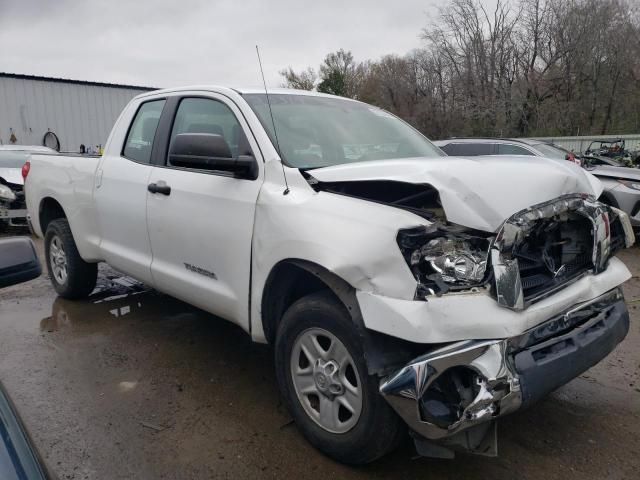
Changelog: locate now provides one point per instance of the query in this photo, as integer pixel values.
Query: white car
(399, 287)
(13, 211)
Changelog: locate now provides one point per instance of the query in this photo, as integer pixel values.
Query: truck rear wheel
(323, 378)
(70, 275)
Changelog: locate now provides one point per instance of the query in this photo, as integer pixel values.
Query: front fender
(353, 239)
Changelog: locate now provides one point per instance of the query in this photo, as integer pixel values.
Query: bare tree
(305, 80)
(519, 67)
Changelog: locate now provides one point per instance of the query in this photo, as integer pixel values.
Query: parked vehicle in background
(399, 287)
(621, 185)
(614, 149)
(621, 189)
(471, 147)
(591, 161)
(13, 210)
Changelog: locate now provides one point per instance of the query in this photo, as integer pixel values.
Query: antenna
(275, 132)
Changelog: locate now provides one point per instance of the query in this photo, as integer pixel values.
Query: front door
(201, 222)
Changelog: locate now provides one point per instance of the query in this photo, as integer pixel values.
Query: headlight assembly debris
(6, 193)
(445, 258)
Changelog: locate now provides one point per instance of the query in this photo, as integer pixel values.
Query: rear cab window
(139, 142)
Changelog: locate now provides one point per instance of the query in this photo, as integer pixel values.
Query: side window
(449, 149)
(139, 141)
(507, 149)
(468, 149)
(204, 115)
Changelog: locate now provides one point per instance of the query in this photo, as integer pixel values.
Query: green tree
(334, 83)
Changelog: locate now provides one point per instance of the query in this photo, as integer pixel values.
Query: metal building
(77, 112)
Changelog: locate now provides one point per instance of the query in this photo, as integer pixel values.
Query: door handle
(161, 189)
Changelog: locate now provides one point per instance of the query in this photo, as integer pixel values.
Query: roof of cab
(241, 91)
(526, 141)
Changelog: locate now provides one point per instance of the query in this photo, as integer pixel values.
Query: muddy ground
(135, 384)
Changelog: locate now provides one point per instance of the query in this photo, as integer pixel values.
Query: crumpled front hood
(476, 192)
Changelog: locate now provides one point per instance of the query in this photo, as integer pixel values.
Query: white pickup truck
(398, 286)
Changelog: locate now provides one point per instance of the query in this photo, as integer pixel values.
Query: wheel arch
(48, 211)
(291, 279)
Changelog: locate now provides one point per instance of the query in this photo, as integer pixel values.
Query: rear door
(201, 230)
(121, 194)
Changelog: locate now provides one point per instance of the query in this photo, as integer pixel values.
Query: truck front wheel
(323, 378)
(70, 275)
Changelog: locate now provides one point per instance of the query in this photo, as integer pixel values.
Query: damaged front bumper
(13, 216)
(13, 212)
(13, 208)
(451, 395)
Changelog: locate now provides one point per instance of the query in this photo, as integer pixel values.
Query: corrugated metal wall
(77, 112)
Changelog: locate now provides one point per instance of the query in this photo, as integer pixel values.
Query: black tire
(379, 429)
(81, 276)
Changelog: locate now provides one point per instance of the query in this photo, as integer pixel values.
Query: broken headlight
(6, 193)
(445, 258)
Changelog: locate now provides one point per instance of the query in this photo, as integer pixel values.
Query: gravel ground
(135, 384)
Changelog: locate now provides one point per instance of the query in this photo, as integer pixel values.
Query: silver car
(621, 189)
(621, 184)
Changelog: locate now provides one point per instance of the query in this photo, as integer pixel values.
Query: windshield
(317, 132)
(552, 151)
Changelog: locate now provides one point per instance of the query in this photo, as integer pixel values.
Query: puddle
(171, 391)
(115, 297)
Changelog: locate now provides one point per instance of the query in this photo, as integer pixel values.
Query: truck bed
(66, 179)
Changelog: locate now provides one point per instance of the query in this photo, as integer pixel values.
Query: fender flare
(382, 353)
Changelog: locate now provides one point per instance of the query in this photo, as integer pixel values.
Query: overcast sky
(177, 42)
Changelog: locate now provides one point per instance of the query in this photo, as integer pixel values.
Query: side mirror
(208, 151)
(18, 261)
